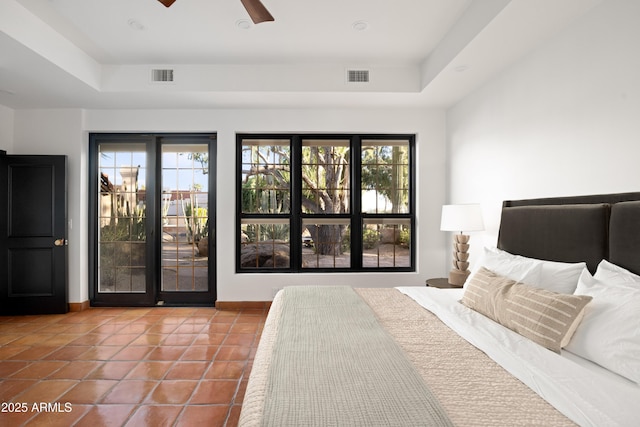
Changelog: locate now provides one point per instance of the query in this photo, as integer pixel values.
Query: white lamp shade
(461, 218)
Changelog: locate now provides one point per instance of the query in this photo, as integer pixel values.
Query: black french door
(152, 212)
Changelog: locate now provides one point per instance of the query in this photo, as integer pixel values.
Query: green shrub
(370, 238)
(405, 237)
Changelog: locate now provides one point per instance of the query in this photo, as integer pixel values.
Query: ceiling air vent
(161, 76)
(358, 76)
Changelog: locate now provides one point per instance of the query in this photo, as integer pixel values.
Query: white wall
(563, 121)
(60, 132)
(6, 129)
(66, 132)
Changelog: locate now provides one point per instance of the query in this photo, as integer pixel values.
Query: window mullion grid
(357, 218)
(412, 199)
(384, 217)
(295, 211)
(154, 252)
(356, 203)
(238, 201)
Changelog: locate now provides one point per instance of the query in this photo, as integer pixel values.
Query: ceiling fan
(255, 8)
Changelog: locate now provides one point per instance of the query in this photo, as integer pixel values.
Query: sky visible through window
(183, 177)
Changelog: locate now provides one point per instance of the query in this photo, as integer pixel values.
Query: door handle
(61, 242)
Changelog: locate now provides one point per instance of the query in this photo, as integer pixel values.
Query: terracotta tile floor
(127, 367)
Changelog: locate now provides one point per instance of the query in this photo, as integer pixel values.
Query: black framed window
(325, 203)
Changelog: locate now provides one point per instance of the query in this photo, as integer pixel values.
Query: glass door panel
(122, 237)
(185, 218)
(153, 215)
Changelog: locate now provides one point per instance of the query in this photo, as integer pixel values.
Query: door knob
(60, 242)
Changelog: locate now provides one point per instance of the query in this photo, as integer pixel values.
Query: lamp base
(460, 271)
(458, 277)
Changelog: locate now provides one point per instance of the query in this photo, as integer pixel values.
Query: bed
(421, 356)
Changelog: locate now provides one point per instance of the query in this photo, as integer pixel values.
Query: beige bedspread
(473, 389)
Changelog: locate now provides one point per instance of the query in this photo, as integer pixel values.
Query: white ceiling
(100, 53)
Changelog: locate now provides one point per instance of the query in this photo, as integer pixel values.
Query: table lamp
(461, 218)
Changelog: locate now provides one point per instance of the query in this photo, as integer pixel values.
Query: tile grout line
(119, 324)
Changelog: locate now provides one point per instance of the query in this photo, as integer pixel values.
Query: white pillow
(560, 276)
(609, 333)
(614, 274)
(554, 276)
(515, 268)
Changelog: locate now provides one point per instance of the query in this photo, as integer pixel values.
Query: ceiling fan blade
(167, 3)
(257, 11)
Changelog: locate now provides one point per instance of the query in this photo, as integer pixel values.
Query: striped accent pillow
(545, 317)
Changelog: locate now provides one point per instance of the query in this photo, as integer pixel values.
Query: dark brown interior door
(33, 235)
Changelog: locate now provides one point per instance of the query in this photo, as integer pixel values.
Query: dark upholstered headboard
(574, 229)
